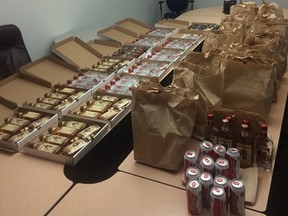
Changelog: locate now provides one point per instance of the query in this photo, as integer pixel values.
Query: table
(125, 194)
(29, 185)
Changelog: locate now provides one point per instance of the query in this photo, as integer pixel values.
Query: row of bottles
(254, 150)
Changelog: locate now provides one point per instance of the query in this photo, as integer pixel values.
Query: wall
(41, 21)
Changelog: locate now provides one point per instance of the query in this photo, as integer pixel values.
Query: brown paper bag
(248, 84)
(247, 10)
(221, 40)
(209, 86)
(163, 121)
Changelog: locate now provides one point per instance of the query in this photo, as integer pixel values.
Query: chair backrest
(177, 5)
(13, 52)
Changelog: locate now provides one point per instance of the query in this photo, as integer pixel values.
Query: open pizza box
(172, 23)
(75, 51)
(50, 68)
(119, 34)
(104, 47)
(134, 26)
(64, 158)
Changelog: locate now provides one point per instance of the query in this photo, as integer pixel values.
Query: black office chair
(176, 7)
(13, 52)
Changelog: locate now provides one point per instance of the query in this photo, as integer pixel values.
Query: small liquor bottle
(246, 147)
(211, 132)
(264, 149)
(225, 137)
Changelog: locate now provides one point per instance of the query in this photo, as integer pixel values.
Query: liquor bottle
(225, 136)
(264, 149)
(211, 132)
(246, 147)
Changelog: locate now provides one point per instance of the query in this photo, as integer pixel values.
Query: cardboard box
(76, 83)
(71, 160)
(51, 69)
(134, 26)
(13, 147)
(20, 88)
(203, 26)
(105, 48)
(198, 35)
(163, 68)
(72, 105)
(76, 52)
(118, 33)
(171, 23)
(114, 120)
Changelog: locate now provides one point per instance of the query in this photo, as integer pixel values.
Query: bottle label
(246, 154)
(227, 143)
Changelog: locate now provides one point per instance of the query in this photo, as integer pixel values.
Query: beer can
(218, 202)
(222, 167)
(233, 157)
(190, 159)
(207, 164)
(237, 197)
(192, 173)
(219, 151)
(194, 197)
(222, 181)
(205, 148)
(206, 180)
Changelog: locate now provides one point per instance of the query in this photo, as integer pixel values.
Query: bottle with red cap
(246, 147)
(264, 149)
(211, 132)
(225, 136)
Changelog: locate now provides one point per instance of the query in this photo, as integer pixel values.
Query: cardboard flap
(104, 47)
(134, 25)
(35, 79)
(8, 103)
(118, 33)
(76, 52)
(51, 69)
(171, 23)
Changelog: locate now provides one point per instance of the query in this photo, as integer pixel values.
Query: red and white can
(194, 197)
(233, 157)
(219, 151)
(237, 197)
(222, 167)
(206, 180)
(221, 181)
(218, 202)
(207, 164)
(190, 159)
(192, 173)
(205, 148)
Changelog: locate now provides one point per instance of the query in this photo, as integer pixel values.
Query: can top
(238, 184)
(217, 191)
(233, 150)
(205, 176)
(207, 144)
(220, 180)
(192, 171)
(220, 148)
(222, 162)
(193, 184)
(190, 154)
(207, 160)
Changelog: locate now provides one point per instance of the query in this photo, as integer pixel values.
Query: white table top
(123, 195)
(29, 185)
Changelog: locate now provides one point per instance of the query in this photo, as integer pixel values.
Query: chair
(13, 52)
(176, 7)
